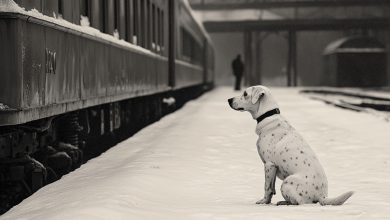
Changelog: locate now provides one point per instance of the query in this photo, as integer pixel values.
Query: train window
(50, 8)
(109, 16)
(129, 20)
(154, 45)
(142, 26)
(186, 45)
(30, 4)
(148, 25)
(60, 8)
(162, 28)
(94, 11)
(84, 8)
(136, 22)
(67, 10)
(191, 49)
(96, 14)
(158, 28)
(120, 24)
(158, 48)
(116, 15)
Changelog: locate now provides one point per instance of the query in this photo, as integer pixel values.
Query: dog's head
(256, 100)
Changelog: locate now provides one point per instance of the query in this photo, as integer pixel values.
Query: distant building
(355, 62)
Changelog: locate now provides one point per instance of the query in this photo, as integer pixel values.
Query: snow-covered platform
(201, 163)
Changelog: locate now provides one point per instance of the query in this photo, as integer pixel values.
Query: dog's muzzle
(231, 105)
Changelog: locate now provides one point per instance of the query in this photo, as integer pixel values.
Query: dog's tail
(338, 200)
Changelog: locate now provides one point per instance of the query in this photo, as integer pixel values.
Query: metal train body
(64, 86)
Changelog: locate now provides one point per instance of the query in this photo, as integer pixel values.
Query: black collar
(268, 114)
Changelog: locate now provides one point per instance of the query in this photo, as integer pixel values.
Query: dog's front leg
(269, 186)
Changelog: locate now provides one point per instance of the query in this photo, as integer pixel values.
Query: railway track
(368, 101)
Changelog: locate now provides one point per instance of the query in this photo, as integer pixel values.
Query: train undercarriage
(40, 152)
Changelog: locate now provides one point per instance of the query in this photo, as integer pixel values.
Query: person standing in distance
(238, 70)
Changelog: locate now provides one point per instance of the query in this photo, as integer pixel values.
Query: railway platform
(201, 162)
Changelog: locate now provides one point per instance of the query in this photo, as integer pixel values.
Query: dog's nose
(230, 101)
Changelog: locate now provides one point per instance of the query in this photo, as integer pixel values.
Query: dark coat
(238, 67)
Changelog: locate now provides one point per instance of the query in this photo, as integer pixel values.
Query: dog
(285, 153)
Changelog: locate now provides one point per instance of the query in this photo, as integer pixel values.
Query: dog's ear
(256, 94)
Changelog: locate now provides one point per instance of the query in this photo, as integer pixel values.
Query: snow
(338, 46)
(11, 6)
(201, 163)
(116, 34)
(169, 101)
(84, 21)
(3, 106)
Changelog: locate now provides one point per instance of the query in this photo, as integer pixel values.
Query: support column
(247, 58)
(292, 59)
(258, 57)
(252, 53)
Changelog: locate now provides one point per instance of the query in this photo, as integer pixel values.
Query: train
(77, 76)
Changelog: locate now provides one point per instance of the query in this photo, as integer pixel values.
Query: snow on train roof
(197, 19)
(11, 6)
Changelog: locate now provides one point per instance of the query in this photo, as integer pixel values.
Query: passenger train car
(77, 76)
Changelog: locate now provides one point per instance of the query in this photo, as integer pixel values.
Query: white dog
(285, 153)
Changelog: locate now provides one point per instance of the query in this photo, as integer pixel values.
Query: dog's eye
(245, 94)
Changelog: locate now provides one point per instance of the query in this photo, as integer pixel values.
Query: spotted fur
(285, 154)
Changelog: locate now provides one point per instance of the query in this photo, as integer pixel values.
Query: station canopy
(223, 11)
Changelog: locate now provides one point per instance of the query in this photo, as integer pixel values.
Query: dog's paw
(283, 203)
(264, 201)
